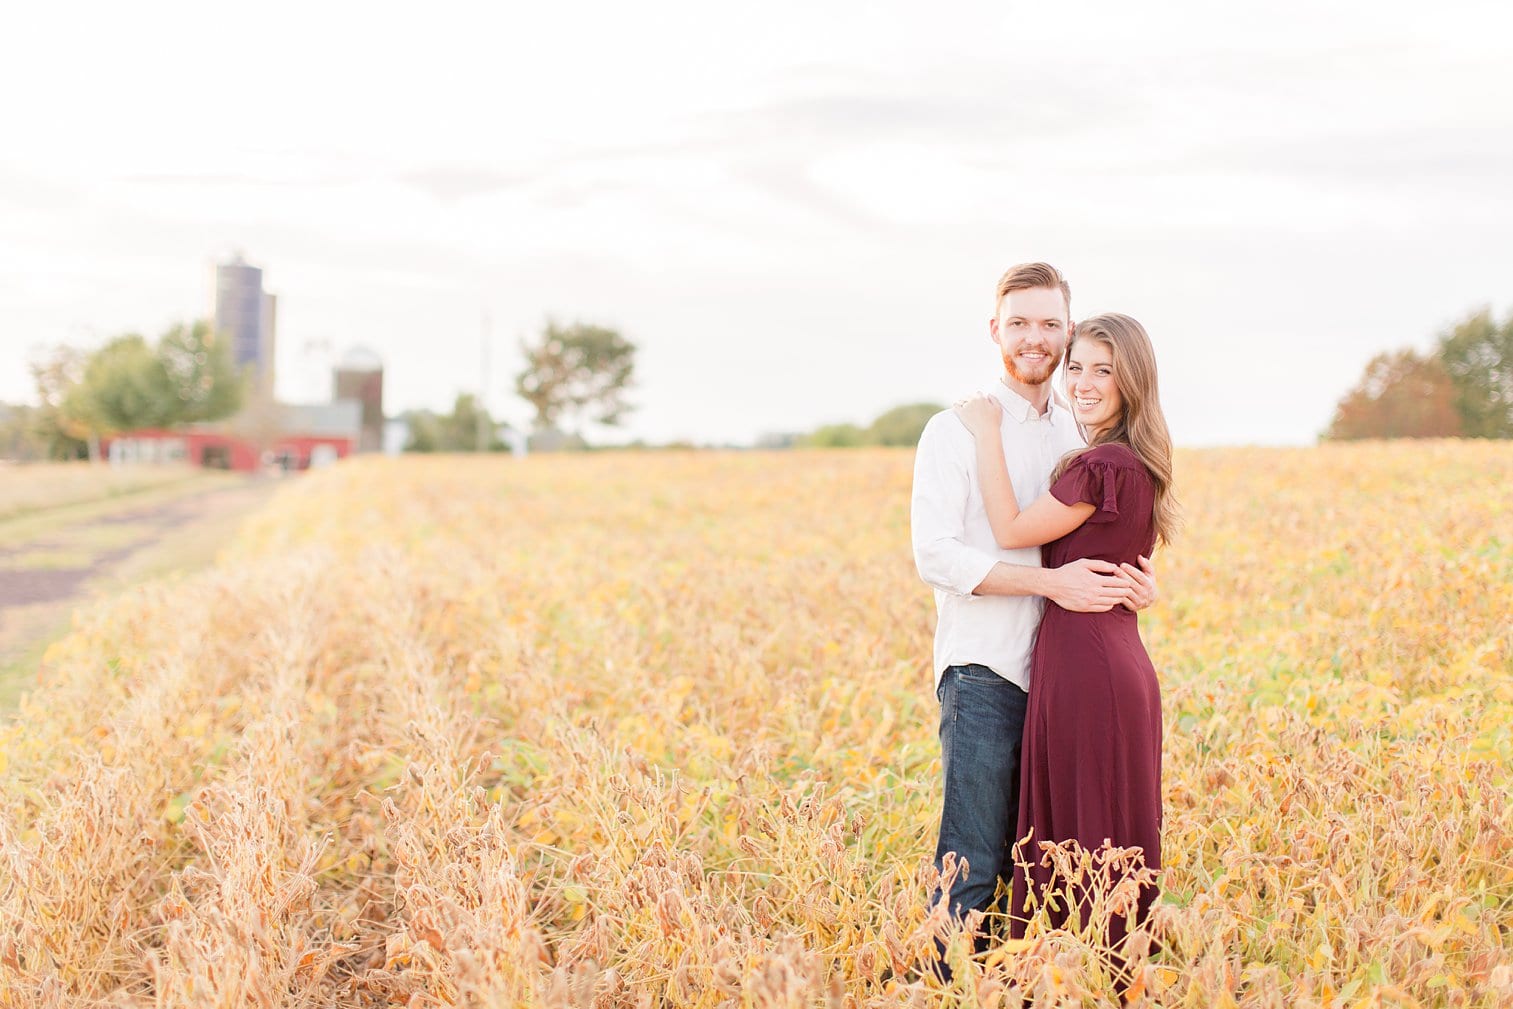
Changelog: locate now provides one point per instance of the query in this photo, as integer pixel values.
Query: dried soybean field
(656, 729)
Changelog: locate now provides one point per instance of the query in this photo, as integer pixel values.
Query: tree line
(1463, 388)
(130, 383)
(579, 374)
(575, 375)
(899, 426)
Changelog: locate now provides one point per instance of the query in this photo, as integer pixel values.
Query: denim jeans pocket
(979, 674)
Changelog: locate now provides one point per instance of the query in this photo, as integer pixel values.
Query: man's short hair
(1030, 275)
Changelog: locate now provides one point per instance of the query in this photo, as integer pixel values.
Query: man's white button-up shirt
(954, 547)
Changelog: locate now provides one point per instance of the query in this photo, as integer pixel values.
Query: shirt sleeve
(937, 514)
(1090, 481)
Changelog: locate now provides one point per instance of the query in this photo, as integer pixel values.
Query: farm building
(291, 436)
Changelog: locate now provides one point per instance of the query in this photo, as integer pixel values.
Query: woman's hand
(981, 414)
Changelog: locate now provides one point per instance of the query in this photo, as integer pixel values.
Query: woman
(1091, 762)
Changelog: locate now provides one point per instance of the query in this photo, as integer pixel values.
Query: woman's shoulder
(1113, 453)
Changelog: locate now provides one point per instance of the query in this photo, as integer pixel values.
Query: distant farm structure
(267, 434)
(270, 434)
(289, 436)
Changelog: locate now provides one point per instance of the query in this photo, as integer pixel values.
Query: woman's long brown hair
(1141, 424)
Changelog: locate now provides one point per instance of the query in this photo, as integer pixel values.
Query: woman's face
(1090, 385)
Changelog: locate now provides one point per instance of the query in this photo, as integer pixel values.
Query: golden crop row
(657, 729)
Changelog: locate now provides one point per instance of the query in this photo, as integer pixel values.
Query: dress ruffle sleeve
(1090, 481)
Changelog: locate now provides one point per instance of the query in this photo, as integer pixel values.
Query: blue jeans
(981, 724)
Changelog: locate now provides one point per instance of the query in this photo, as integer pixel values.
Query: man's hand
(1144, 579)
(1091, 586)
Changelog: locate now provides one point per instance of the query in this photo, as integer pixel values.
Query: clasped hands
(1090, 585)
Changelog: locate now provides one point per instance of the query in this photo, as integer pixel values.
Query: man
(989, 600)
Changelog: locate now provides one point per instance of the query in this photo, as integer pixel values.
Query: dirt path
(50, 565)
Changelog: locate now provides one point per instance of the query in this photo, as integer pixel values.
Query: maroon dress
(1091, 762)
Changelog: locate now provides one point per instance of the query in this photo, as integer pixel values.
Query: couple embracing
(1033, 517)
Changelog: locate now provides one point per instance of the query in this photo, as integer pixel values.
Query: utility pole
(483, 387)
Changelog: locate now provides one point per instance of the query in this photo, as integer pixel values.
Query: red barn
(296, 436)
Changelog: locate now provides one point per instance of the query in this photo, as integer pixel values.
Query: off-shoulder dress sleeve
(1091, 481)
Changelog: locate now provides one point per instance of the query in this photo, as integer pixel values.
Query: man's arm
(938, 509)
(937, 518)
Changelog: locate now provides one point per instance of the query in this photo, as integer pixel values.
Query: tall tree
(27, 432)
(128, 384)
(200, 374)
(125, 386)
(579, 373)
(55, 371)
(1478, 355)
(1401, 395)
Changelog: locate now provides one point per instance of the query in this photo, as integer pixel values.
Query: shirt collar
(1019, 408)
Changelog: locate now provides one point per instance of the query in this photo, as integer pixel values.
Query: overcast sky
(797, 211)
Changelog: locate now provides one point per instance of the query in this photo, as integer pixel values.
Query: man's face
(1031, 332)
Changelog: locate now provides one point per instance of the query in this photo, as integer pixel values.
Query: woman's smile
(1091, 387)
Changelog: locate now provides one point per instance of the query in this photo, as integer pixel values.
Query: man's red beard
(1038, 377)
